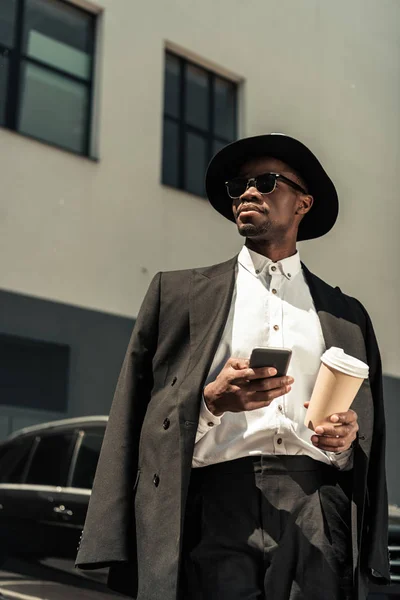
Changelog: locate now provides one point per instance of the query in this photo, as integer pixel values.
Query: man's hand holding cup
(329, 414)
(340, 435)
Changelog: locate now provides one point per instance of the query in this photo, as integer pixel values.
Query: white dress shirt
(271, 306)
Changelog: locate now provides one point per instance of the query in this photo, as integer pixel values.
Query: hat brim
(226, 163)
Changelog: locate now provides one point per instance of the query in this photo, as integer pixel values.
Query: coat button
(166, 423)
(156, 480)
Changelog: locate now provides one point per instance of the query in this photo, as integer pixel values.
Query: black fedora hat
(226, 163)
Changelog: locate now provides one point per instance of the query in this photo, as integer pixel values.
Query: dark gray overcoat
(135, 518)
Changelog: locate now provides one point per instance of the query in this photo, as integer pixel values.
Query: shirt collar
(257, 264)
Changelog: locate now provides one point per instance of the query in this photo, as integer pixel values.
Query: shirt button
(166, 423)
(210, 424)
(156, 480)
(289, 275)
(276, 327)
(280, 408)
(257, 271)
(273, 268)
(274, 291)
(279, 441)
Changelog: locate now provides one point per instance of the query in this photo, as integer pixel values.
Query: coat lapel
(209, 304)
(338, 325)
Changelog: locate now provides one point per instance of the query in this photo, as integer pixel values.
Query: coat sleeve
(377, 557)
(108, 535)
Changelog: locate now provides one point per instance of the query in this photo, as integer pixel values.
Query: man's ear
(305, 204)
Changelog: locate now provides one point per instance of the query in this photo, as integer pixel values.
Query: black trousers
(270, 527)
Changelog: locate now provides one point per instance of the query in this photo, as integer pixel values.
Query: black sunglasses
(265, 184)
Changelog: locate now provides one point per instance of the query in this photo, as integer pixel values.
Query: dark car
(46, 477)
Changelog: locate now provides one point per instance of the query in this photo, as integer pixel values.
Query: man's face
(270, 217)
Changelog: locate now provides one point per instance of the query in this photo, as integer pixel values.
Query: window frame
(184, 127)
(17, 59)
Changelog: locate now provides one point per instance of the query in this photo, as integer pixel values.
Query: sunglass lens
(236, 187)
(266, 183)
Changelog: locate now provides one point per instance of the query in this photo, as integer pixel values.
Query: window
(33, 374)
(46, 71)
(88, 456)
(51, 459)
(200, 115)
(14, 459)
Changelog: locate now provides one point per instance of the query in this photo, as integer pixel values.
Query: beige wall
(93, 233)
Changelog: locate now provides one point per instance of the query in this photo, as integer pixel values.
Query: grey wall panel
(97, 345)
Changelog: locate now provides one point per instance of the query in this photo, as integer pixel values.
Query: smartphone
(279, 358)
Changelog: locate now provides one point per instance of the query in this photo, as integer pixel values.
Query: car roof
(55, 425)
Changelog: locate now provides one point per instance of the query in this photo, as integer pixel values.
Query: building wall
(92, 233)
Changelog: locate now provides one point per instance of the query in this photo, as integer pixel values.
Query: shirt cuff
(342, 460)
(206, 421)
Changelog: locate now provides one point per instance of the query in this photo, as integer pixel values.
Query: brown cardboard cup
(333, 392)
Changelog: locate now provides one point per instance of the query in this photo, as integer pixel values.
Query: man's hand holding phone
(238, 387)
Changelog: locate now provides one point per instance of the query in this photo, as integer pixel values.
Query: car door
(35, 498)
(71, 502)
(15, 506)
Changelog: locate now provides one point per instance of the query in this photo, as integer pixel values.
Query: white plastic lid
(336, 358)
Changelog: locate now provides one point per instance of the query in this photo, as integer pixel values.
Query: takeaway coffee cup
(339, 378)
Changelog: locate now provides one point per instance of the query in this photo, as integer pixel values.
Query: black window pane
(3, 85)
(170, 171)
(7, 22)
(59, 35)
(191, 132)
(14, 461)
(33, 374)
(196, 162)
(53, 108)
(87, 460)
(51, 460)
(171, 86)
(224, 109)
(196, 97)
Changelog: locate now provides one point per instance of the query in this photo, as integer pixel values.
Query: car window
(87, 458)
(3, 452)
(50, 462)
(14, 459)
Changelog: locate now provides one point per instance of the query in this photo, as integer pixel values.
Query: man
(209, 485)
